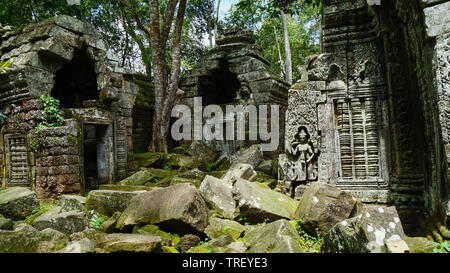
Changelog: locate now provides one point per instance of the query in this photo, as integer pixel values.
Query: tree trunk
(287, 47)
(216, 23)
(283, 68)
(209, 22)
(164, 92)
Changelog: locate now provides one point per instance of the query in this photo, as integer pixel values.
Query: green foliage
(260, 17)
(38, 212)
(443, 248)
(211, 167)
(312, 244)
(204, 242)
(243, 220)
(37, 142)
(96, 221)
(51, 116)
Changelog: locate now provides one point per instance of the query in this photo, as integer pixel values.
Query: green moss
(38, 212)
(169, 249)
(153, 229)
(7, 64)
(71, 139)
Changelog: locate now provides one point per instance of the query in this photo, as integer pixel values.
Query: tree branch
(136, 17)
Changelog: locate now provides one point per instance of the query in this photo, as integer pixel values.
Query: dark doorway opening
(98, 154)
(76, 81)
(220, 87)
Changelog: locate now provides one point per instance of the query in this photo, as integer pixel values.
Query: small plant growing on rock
(96, 221)
(211, 167)
(310, 243)
(51, 116)
(444, 247)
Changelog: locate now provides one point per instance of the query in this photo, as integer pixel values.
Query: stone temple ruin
(375, 106)
(66, 59)
(370, 114)
(235, 72)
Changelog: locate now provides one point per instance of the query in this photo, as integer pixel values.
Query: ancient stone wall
(67, 59)
(236, 72)
(375, 102)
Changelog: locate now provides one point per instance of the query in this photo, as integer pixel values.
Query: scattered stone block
(257, 204)
(72, 203)
(17, 203)
(107, 202)
(218, 194)
(179, 209)
(82, 246)
(243, 171)
(121, 242)
(66, 222)
(218, 227)
(276, 237)
(322, 206)
(368, 232)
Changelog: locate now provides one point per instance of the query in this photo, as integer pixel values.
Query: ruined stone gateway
(376, 103)
(66, 59)
(235, 72)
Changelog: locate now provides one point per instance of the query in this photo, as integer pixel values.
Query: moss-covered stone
(277, 237)
(120, 242)
(421, 245)
(148, 159)
(182, 161)
(173, 239)
(7, 64)
(218, 227)
(169, 249)
(17, 203)
(125, 188)
(139, 178)
(183, 149)
(107, 202)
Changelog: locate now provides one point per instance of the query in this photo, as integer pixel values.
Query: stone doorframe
(105, 154)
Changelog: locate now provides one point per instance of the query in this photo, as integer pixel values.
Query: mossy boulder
(84, 245)
(148, 159)
(139, 243)
(72, 203)
(322, 206)
(52, 240)
(17, 203)
(218, 227)
(107, 202)
(182, 149)
(112, 187)
(223, 163)
(276, 237)
(109, 225)
(193, 174)
(180, 180)
(266, 179)
(139, 178)
(421, 245)
(217, 245)
(172, 240)
(178, 161)
(65, 222)
(218, 193)
(201, 153)
(258, 204)
(23, 239)
(177, 209)
(252, 156)
(366, 233)
(6, 224)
